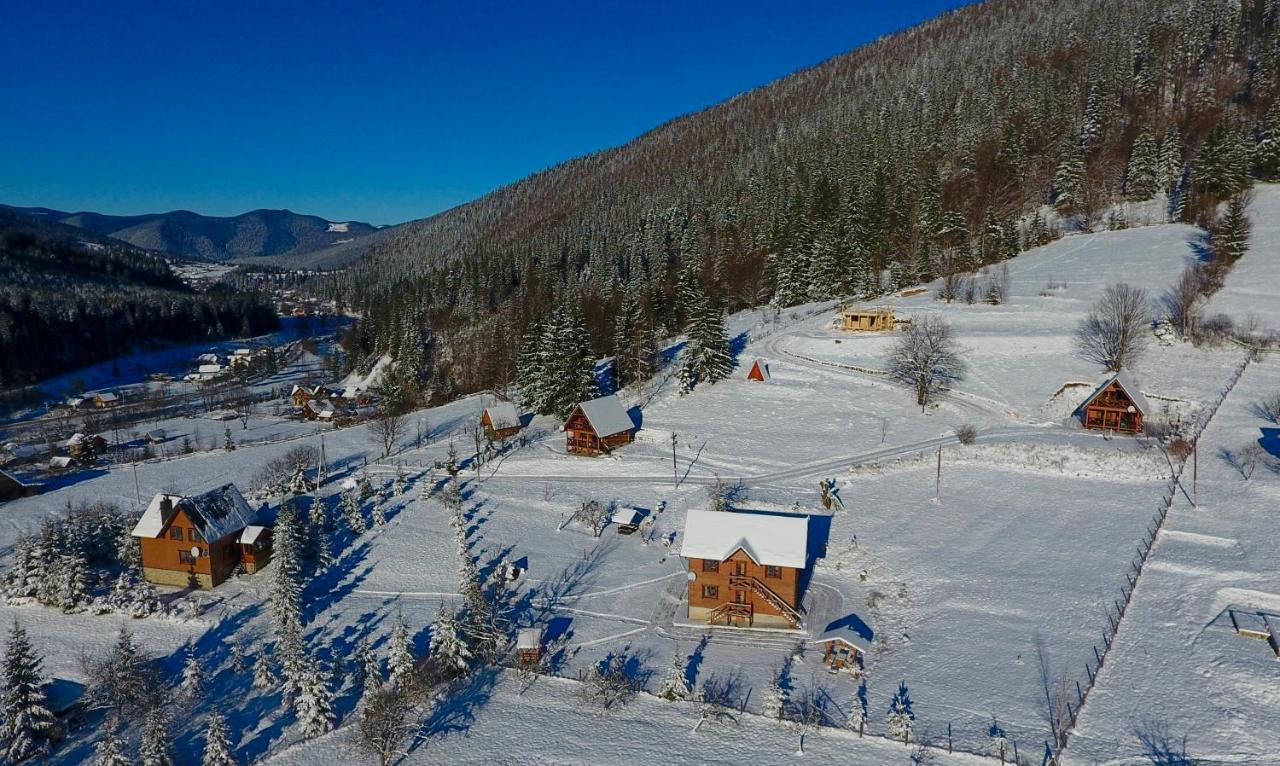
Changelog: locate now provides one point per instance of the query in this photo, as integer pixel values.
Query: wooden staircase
(730, 611)
(763, 591)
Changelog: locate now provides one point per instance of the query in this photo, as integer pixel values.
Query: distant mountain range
(262, 237)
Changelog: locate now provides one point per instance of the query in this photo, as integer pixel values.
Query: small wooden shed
(872, 319)
(529, 645)
(1117, 405)
(500, 421)
(845, 643)
(759, 371)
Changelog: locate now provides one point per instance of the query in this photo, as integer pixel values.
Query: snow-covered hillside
(977, 586)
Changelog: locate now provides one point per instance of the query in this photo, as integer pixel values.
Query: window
(773, 572)
(175, 533)
(194, 535)
(710, 566)
(710, 591)
(184, 557)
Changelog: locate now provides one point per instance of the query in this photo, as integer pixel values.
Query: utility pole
(322, 470)
(937, 482)
(137, 491)
(675, 474)
(1195, 470)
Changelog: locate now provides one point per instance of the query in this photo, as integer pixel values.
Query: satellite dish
(1132, 408)
(195, 552)
(691, 577)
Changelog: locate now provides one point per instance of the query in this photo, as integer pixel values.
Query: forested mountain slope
(66, 302)
(281, 237)
(923, 153)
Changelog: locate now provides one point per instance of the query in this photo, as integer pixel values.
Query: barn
(1117, 405)
(746, 569)
(759, 371)
(198, 539)
(500, 421)
(598, 427)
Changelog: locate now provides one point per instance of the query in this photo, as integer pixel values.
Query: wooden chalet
(199, 540)
(598, 427)
(746, 569)
(106, 400)
(14, 486)
(759, 371)
(845, 644)
(875, 319)
(300, 395)
(500, 421)
(1117, 405)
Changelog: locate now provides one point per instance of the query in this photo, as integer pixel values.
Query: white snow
(340, 228)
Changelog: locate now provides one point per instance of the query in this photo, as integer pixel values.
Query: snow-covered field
(969, 584)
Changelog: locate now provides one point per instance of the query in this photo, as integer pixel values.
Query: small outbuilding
(627, 520)
(759, 371)
(845, 643)
(598, 427)
(14, 486)
(1117, 405)
(872, 319)
(529, 645)
(500, 421)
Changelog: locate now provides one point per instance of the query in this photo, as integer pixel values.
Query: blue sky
(376, 111)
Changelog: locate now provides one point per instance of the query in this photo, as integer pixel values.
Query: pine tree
(313, 704)
(1068, 181)
(27, 726)
(706, 355)
(72, 581)
(228, 443)
(298, 482)
(286, 601)
(1233, 233)
(1222, 165)
(352, 514)
(901, 718)
(157, 747)
(675, 686)
(368, 666)
(110, 750)
(264, 676)
(379, 513)
(1266, 149)
(239, 660)
(398, 486)
(1141, 174)
(775, 698)
(133, 595)
(26, 570)
(192, 684)
(400, 654)
(217, 742)
(449, 644)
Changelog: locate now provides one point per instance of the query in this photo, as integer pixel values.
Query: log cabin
(598, 427)
(197, 540)
(500, 421)
(746, 569)
(876, 319)
(759, 371)
(1117, 405)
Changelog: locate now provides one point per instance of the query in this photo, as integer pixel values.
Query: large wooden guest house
(746, 569)
(598, 427)
(200, 540)
(1117, 405)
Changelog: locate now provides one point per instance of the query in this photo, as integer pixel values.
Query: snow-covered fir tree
(71, 581)
(217, 742)
(133, 595)
(264, 675)
(675, 685)
(156, 748)
(27, 726)
(228, 443)
(193, 681)
(400, 661)
(775, 697)
(1141, 175)
(352, 514)
(706, 357)
(26, 569)
(368, 666)
(448, 642)
(286, 601)
(558, 369)
(110, 749)
(399, 484)
(313, 704)
(901, 720)
(1068, 180)
(299, 484)
(379, 513)
(238, 657)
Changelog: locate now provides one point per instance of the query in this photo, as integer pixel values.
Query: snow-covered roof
(207, 358)
(106, 396)
(529, 638)
(18, 479)
(849, 630)
(321, 407)
(1122, 378)
(156, 435)
(503, 415)
(626, 516)
(250, 534)
(607, 415)
(61, 461)
(769, 539)
(209, 369)
(216, 513)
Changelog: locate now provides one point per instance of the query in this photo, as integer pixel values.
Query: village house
(1117, 405)
(500, 421)
(241, 357)
(106, 400)
(300, 395)
(14, 486)
(208, 358)
(198, 540)
(318, 409)
(875, 319)
(759, 371)
(746, 569)
(598, 427)
(82, 447)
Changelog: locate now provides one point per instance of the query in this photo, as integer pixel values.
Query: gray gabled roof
(607, 415)
(503, 415)
(1122, 378)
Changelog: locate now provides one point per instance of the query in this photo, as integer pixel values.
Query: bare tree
(608, 684)
(1056, 701)
(386, 429)
(1182, 301)
(927, 358)
(1115, 330)
(808, 712)
(386, 723)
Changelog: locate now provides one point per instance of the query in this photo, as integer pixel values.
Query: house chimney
(166, 505)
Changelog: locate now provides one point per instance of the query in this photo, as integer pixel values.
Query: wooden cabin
(759, 371)
(598, 427)
(1117, 405)
(845, 644)
(300, 395)
(875, 319)
(529, 645)
(500, 421)
(746, 569)
(14, 486)
(195, 540)
(106, 400)
(82, 447)
(319, 409)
